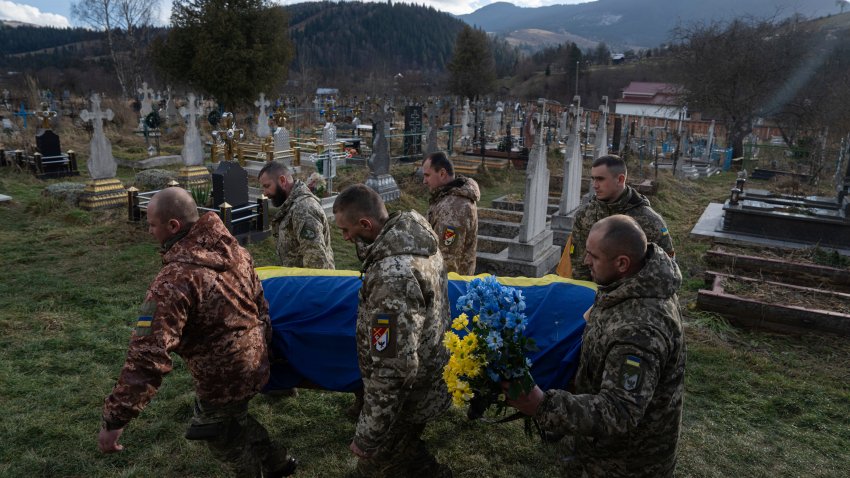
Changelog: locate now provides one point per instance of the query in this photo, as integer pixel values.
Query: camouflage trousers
(236, 438)
(404, 456)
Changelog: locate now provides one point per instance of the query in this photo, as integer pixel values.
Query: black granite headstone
(48, 143)
(230, 184)
(412, 132)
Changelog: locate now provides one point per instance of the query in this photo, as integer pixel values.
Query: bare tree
(123, 21)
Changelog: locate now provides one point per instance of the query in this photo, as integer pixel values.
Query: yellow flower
(460, 322)
(451, 341)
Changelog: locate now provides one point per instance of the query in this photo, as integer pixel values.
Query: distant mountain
(634, 23)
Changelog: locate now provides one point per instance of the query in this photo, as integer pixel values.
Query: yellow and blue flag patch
(146, 313)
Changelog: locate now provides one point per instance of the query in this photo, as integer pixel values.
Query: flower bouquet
(488, 348)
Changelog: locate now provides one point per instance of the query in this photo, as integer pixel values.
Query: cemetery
(762, 241)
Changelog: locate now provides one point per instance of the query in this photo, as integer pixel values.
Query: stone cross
(263, 129)
(101, 164)
(601, 147)
(45, 114)
(147, 100)
(571, 189)
(710, 143)
(379, 162)
(193, 148)
(431, 136)
(536, 184)
(171, 111)
(464, 122)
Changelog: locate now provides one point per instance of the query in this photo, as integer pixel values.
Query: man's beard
(279, 196)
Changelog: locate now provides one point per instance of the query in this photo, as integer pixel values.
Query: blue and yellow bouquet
(489, 348)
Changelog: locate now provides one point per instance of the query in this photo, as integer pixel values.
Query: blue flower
(494, 340)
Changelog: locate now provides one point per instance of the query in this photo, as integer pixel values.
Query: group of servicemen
(621, 415)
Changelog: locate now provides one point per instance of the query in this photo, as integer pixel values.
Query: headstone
(536, 185)
(412, 131)
(562, 222)
(230, 185)
(464, 122)
(709, 143)
(562, 125)
(171, 111)
(193, 148)
(379, 178)
(147, 100)
(330, 151)
(47, 143)
(601, 146)
(431, 137)
(263, 130)
(101, 164)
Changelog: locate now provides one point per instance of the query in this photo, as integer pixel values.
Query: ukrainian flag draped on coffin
(313, 314)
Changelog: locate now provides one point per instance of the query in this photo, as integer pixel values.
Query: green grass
(756, 404)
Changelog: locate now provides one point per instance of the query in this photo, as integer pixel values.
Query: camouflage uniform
(206, 305)
(301, 231)
(626, 411)
(402, 316)
(453, 215)
(631, 203)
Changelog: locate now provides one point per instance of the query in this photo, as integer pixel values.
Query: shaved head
(621, 235)
(174, 203)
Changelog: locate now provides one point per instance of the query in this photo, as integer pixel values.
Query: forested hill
(329, 37)
(31, 38)
(371, 36)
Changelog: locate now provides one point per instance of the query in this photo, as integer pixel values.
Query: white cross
(96, 115)
(192, 111)
(262, 103)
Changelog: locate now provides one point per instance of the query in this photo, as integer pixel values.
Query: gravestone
(103, 191)
(431, 137)
(531, 253)
(412, 132)
(193, 174)
(562, 222)
(171, 111)
(54, 163)
(329, 152)
(230, 185)
(147, 100)
(601, 145)
(464, 123)
(379, 178)
(263, 130)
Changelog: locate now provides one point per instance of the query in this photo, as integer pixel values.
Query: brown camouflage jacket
(402, 316)
(301, 231)
(631, 203)
(206, 305)
(626, 411)
(453, 215)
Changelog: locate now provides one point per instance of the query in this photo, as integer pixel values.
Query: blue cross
(22, 113)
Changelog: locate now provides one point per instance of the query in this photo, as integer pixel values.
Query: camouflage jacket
(631, 203)
(301, 231)
(626, 411)
(402, 316)
(206, 305)
(453, 215)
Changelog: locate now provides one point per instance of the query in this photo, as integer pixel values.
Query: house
(617, 58)
(652, 100)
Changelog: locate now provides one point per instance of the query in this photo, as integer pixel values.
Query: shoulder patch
(630, 373)
(450, 235)
(146, 314)
(308, 233)
(664, 231)
(384, 335)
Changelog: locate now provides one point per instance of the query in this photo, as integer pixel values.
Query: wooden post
(72, 161)
(226, 214)
(134, 214)
(296, 160)
(2, 157)
(262, 212)
(214, 153)
(39, 166)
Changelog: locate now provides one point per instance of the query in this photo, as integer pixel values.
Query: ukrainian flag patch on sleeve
(664, 231)
(630, 373)
(146, 313)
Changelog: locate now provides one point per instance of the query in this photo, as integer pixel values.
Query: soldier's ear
(622, 263)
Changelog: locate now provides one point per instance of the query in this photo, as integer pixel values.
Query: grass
(756, 404)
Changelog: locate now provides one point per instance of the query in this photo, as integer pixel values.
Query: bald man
(206, 305)
(626, 411)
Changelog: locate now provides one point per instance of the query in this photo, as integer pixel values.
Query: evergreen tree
(231, 49)
(472, 69)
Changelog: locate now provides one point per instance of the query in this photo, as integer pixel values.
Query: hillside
(634, 23)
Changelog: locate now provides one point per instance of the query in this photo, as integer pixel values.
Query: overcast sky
(58, 12)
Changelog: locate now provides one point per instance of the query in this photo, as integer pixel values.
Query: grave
(103, 190)
(531, 252)
(380, 178)
(760, 216)
(562, 221)
(193, 174)
(247, 221)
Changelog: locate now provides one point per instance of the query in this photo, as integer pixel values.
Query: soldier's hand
(357, 451)
(527, 404)
(107, 440)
